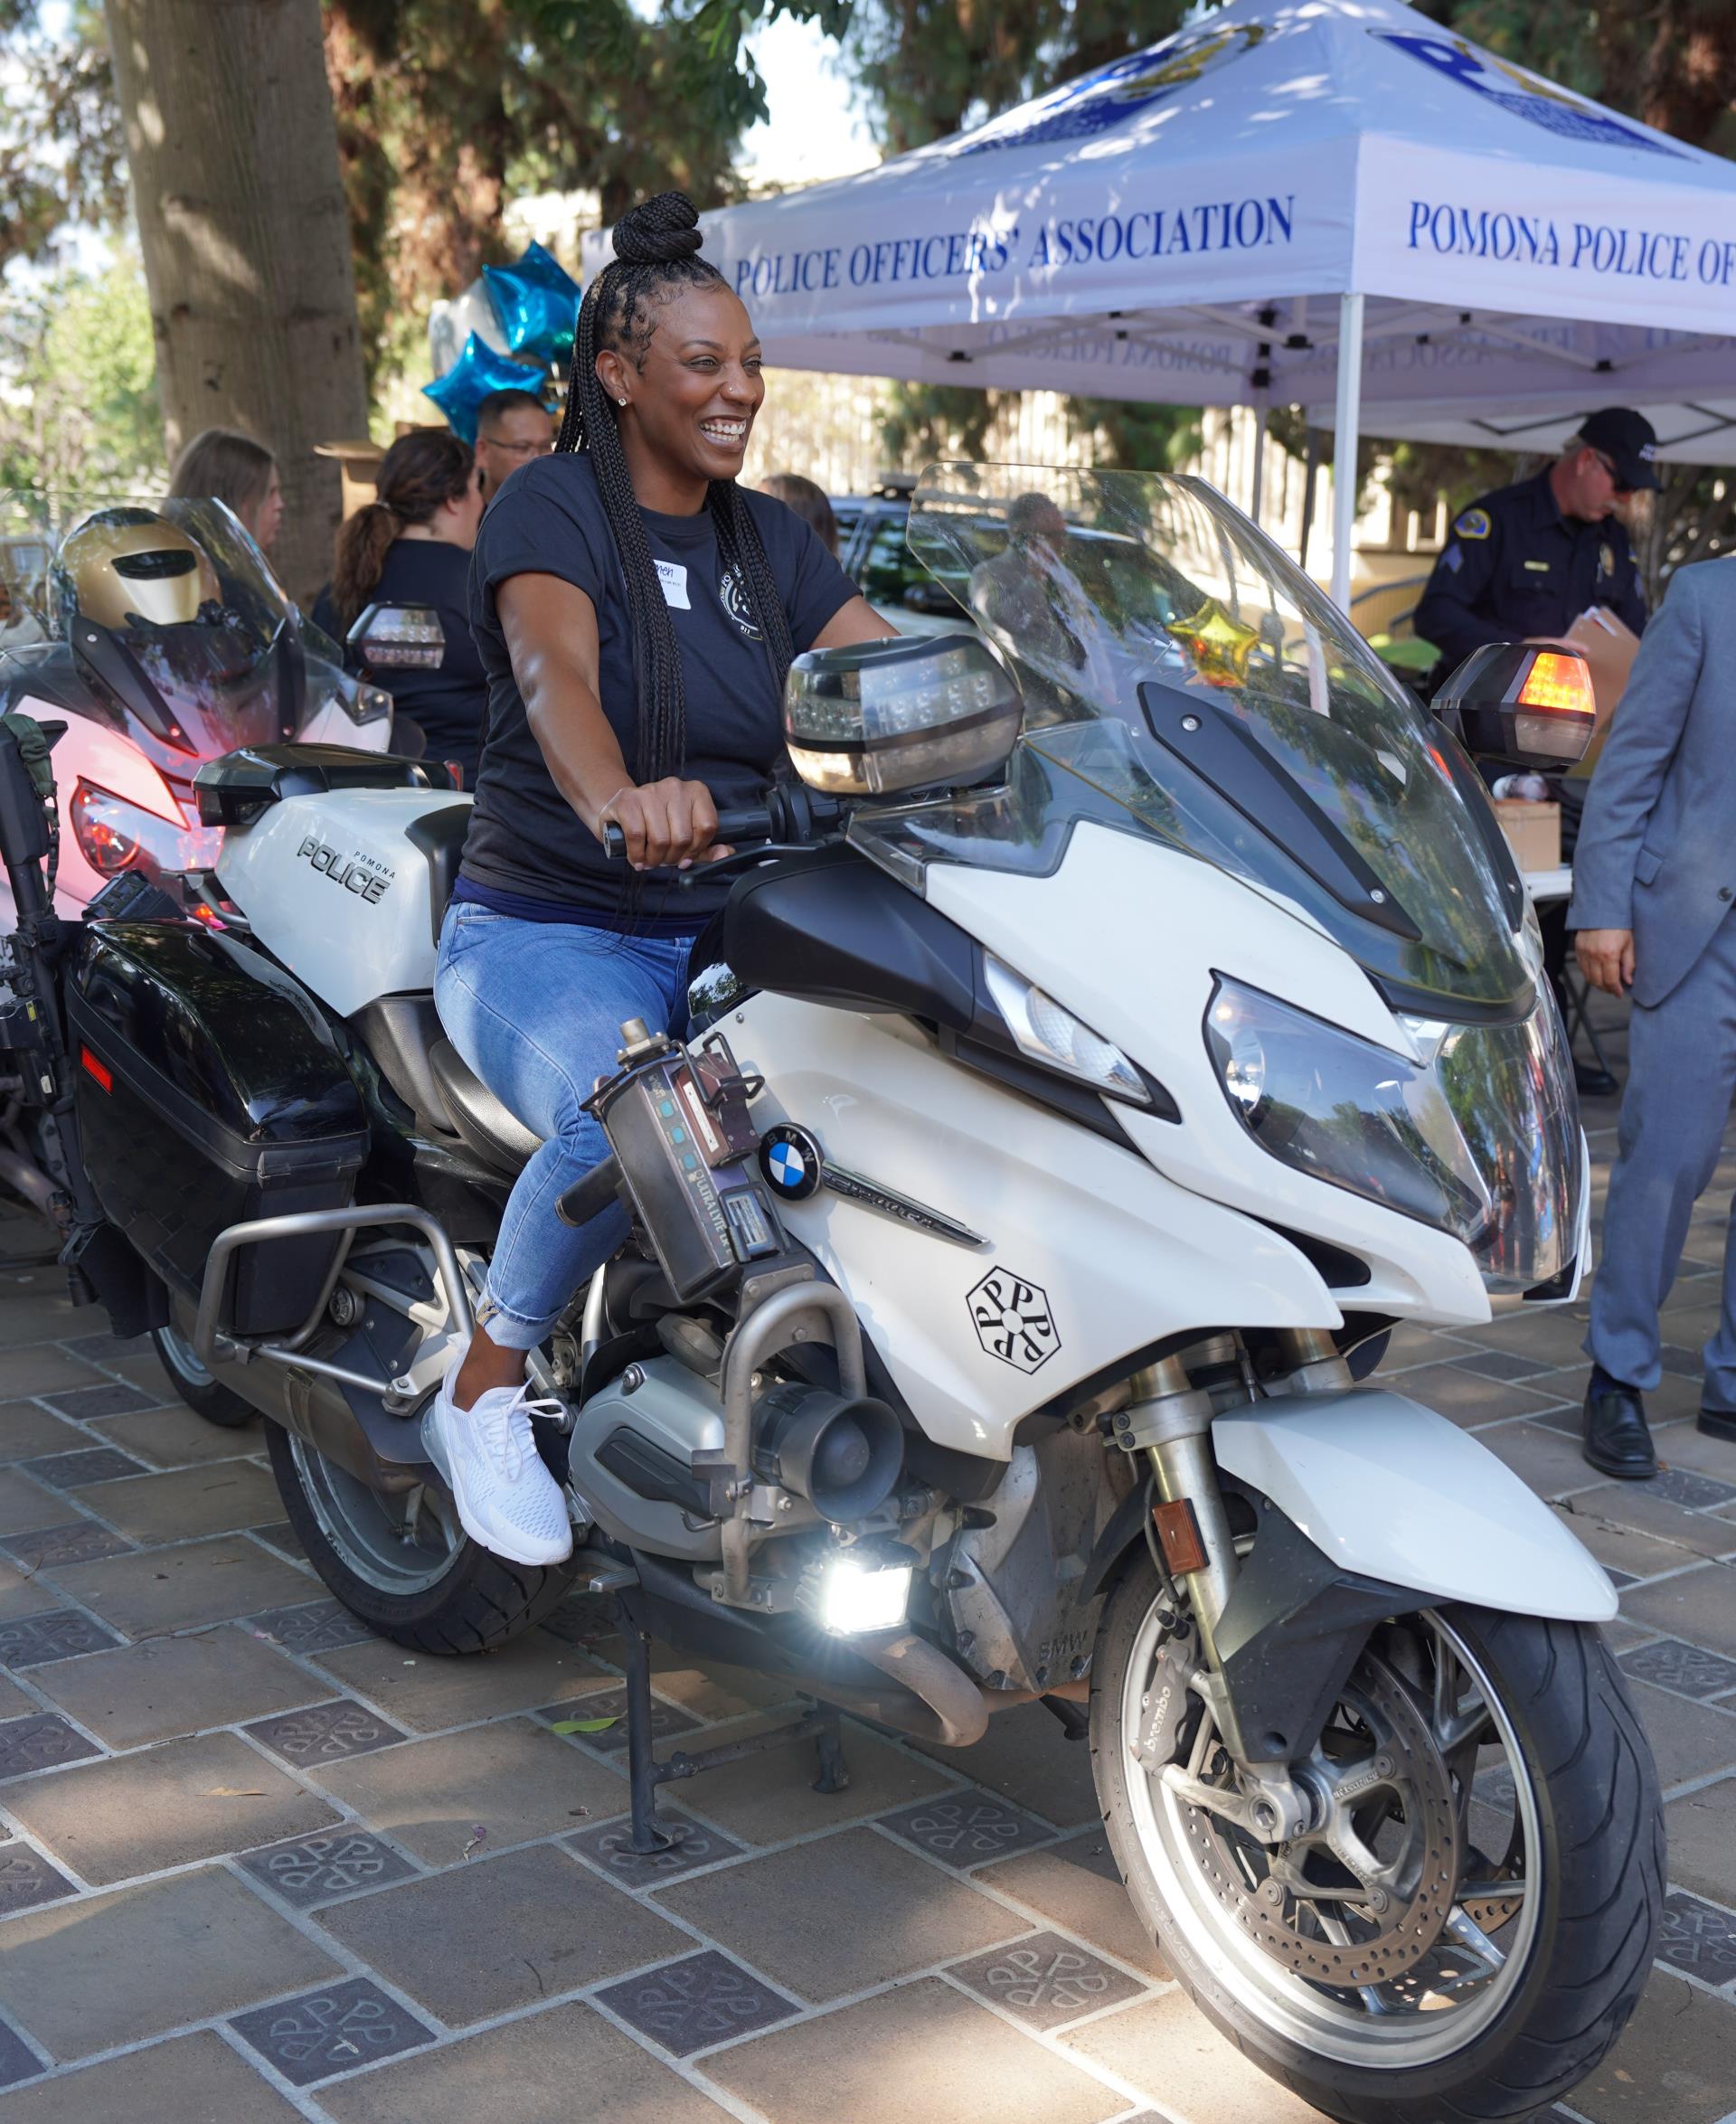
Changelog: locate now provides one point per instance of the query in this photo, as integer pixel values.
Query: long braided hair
(657, 244)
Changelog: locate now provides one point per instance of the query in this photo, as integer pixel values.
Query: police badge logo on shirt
(1473, 523)
(735, 601)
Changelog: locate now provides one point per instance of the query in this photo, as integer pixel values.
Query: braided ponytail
(657, 244)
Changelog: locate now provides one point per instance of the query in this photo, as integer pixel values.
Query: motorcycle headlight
(1342, 1110)
(115, 835)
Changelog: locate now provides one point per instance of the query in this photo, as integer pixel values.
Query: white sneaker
(506, 1498)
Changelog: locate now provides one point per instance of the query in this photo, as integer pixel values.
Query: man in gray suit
(1654, 880)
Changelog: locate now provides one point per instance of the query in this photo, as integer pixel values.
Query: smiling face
(691, 400)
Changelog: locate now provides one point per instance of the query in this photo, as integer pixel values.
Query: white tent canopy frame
(1324, 203)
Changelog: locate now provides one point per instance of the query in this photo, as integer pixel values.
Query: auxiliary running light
(859, 1596)
(922, 712)
(1512, 702)
(399, 637)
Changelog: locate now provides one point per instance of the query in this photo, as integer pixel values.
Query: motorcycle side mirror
(398, 638)
(1520, 705)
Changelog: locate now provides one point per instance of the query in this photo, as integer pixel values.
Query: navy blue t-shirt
(450, 704)
(524, 838)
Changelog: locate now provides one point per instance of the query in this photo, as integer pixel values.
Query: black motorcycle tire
(479, 1603)
(204, 1395)
(1603, 1832)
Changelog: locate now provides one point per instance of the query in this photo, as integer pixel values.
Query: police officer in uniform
(1525, 561)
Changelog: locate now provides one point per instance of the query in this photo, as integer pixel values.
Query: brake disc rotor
(1401, 1761)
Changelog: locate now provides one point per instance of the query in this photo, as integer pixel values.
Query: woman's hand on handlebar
(664, 823)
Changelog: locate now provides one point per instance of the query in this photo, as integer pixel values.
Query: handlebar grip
(589, 1195)
(751, 823)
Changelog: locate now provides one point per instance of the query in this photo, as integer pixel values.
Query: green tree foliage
(62, 156)
(78, 392)
(448, 108)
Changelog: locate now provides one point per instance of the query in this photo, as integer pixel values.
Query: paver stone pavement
(168, 1687)
(308, 1874)
(85, 1977)
(559, 2063)
(534, 1923)
(193, 2079)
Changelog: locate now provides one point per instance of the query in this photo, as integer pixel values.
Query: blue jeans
(536, 1009)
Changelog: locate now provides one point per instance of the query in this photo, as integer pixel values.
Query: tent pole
(1310, 493)
(1260, 464)
(1345, 439)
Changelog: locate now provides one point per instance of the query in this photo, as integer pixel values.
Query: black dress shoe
(1617, 1440)
(1592, 1082)
(1718, 1423)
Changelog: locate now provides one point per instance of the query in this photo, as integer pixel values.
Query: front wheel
(402, 1562)
(1467, 1923)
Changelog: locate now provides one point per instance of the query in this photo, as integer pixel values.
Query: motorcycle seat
(438, 837)
(478, 1116)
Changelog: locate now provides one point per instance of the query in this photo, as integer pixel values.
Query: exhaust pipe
(957, 1711)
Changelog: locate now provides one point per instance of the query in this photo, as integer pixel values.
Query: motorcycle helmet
(127, 565)
(177, 626)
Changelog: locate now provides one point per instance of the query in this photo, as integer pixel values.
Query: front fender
(1388, 1490)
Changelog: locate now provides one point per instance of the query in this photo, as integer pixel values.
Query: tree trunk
(232, 149)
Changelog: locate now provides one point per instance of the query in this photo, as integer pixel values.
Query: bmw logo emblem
(790, 1159)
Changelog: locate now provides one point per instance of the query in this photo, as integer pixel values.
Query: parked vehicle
(1071, 1108)
(163, 640)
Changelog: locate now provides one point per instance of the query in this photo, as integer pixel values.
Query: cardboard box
(1609, 647)
(1533, 832)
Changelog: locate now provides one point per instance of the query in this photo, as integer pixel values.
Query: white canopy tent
(1329, 203)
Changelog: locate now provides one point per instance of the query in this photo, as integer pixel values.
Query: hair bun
(658, 230)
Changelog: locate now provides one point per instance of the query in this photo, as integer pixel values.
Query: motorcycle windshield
(1183, 678)
(177, 622)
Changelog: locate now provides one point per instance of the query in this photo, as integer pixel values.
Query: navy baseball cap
(1628, 439)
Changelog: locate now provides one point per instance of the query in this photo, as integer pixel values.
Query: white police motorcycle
(1086, 1076)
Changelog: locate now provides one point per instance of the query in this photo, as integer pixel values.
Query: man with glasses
(1525, 561)
(512, 428)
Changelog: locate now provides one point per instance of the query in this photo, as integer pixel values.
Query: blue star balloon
(477, 371)
(537, 302)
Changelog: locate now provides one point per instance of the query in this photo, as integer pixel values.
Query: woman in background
(234, 469)
(809, 503)
(410, 545)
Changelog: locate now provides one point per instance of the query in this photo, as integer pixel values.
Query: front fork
(1169, 1420)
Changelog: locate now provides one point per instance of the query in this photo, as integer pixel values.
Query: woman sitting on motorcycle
(637, 612)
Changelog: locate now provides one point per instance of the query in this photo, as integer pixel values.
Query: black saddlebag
(210, 1092)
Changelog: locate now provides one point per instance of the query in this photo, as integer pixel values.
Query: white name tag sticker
(673, 579)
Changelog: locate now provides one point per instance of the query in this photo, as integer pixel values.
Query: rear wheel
(216, 1402)
(403, 1564)
(1467, 1923)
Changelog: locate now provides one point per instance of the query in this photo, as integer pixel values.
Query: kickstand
(648, 1833)
(1075, 1720)
(834, 1776)
(645, 1773)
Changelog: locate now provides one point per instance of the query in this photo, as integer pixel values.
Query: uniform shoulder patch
(1473, 523)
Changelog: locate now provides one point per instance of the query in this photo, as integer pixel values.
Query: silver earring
(623, 401)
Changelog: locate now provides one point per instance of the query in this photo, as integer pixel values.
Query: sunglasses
(1615, 480)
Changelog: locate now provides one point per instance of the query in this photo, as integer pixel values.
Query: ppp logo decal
(1078, 110)
(1013, 1320)
(1523, 95)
